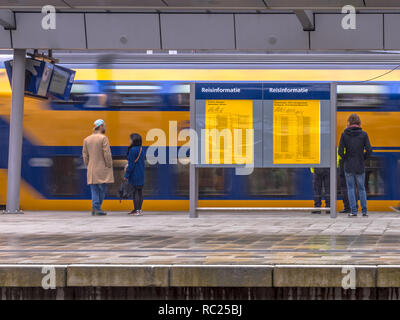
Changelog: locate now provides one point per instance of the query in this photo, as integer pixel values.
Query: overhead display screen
(44, 79)
(59, 82)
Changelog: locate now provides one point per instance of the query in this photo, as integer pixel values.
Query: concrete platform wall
(198, 282)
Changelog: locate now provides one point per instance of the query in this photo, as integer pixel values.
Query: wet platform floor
(213, 238)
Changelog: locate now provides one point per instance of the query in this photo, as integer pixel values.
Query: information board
(233, 120)
(263, 124)
(296, 131)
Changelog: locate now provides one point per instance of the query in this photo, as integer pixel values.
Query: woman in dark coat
(134, 172)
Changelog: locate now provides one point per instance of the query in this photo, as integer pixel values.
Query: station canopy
(213, 25)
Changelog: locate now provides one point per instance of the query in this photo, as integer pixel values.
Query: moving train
(137, 98)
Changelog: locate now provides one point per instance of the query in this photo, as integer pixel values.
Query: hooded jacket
(354, 149)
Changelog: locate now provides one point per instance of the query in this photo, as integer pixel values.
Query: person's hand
(125, 179)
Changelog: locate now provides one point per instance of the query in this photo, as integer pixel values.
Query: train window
(124, 94)
(212, 182)
(65, 177)
(135, 95)
(180, 179)
(153, 178)
(364, 95)
(271, 182)
(83, 94)
(374, 176)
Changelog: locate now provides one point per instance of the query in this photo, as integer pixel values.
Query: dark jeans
(98, 195)
(345, 194)
(343, 191)
(343, 187)
(137, 197)
(321, 182)
(352, 180)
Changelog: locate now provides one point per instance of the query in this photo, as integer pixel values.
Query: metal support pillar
(194, 192)
(333, 168)
(16, 134)
(193, 174)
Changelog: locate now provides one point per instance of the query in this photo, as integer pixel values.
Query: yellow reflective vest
(338, 158)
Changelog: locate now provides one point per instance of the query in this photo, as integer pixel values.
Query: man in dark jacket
(354, 149)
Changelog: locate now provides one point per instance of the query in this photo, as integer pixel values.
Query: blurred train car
(137, 98)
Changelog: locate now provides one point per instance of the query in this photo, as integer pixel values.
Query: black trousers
(137, 197)
(321, 186)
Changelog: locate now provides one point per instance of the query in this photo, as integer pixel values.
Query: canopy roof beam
(7, 19)
(306, 18)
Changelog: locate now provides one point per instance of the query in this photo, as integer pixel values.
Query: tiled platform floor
(214, 238)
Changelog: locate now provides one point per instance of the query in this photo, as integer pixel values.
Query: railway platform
(235, 120)
(167, 255)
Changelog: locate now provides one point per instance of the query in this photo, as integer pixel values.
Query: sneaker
(365, 214)
(138, 213)
(345, 211)
(316, 212)
(99, 213)
(352, 214)
(132, 212)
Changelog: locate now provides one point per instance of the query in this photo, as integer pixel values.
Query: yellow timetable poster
(229, 132)
(296, 131)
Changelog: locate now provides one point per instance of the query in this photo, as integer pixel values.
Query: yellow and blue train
(137, 98)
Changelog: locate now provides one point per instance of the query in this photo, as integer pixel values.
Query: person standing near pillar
(97, 157)
(321, 185)
(354, 149)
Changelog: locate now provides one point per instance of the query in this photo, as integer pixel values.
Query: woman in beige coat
(96, 154)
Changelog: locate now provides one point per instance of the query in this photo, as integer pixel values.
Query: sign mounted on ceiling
(44, 79)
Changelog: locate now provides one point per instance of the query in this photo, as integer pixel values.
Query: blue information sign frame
(263, 94)
(325, 92)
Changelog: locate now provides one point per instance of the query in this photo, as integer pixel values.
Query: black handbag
(125, 191)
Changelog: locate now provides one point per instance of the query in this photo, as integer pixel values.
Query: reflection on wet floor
(165, 238)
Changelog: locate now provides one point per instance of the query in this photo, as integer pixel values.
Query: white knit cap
(98, 123)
